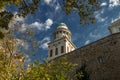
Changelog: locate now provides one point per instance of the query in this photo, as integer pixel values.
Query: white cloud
(113, 20)
(113, 3)
(48, 23)
(57, 7)
(22, 43)
(87, 42)
(117, 18)
(48, 1)
(99, 17)
(45, 39)
(25, 45)
(15, 21)
(23, 28)
(27, 59)
(53, 3)
(95, 36)
(18, 18)
(19, 23)
(42, 26)
(37, 25)
(44, 43)
(103, 4)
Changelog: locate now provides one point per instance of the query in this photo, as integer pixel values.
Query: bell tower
(61, 44)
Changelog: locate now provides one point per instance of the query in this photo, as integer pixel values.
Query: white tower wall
(115, 27)
(61, 44)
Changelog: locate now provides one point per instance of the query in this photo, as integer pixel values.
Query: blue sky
(49, 15)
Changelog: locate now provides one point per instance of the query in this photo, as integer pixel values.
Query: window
(119, 28)
(51, 52)
(62, 49)
(56, 51)
(67, 33)
(67, 49)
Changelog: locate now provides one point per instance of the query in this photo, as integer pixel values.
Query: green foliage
(28, 6)
(81, 73)
(84, 8)
(55, 70)
(25, 7)
(12, 66)
(60, 69)
(10, 63)
(5, 18)
(1, 35)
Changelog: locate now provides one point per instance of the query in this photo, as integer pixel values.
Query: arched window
(51, 52)
(56, 51)
(62, 49)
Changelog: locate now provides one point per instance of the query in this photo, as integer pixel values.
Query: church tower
(61, 44)
(115, 27)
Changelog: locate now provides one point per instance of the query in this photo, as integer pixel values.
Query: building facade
(115, 27)
(102, 57)
(62, 42)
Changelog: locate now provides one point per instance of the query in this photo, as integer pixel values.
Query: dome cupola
(62, 31)
(62, 25)
(61, 44)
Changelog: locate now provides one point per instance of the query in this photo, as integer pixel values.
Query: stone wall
(101, 57)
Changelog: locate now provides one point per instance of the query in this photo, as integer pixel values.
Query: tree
(5, 18)
(24, 7)
(12, 68)
(84, 8)
(81, 73)
(55, 70)
(12, 65)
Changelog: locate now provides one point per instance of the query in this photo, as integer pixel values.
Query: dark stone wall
(102, 58)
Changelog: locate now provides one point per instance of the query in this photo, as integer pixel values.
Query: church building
(102, 57)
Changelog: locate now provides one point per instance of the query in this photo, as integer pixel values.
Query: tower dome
(62, 43)
(62, 31)
(62, 25)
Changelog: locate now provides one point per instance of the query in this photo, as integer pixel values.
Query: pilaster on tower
(62, 43)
